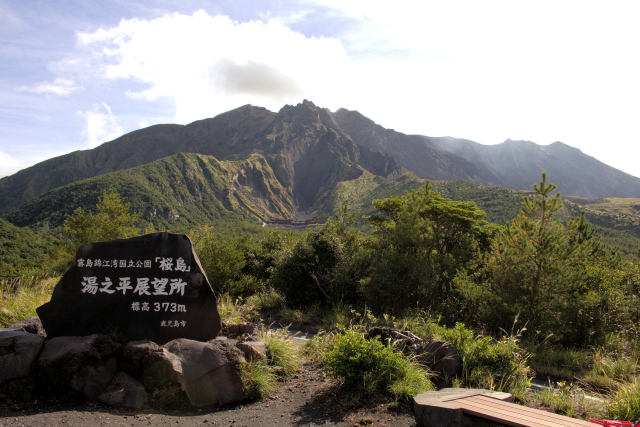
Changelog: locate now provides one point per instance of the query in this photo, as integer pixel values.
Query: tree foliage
(544, 272)
(322, 268)
(113, 220)
(423, 240)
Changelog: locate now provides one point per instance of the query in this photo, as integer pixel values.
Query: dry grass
(20, 298)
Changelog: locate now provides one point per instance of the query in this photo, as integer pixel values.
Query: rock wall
(182, 373)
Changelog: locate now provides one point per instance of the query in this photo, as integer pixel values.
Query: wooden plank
(506, 416)
(512, 414)
(526, 410)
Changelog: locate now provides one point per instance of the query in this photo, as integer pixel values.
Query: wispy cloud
(100, 125)
(60, 87)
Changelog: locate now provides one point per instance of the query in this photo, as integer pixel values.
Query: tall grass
(625, 403)
(283, 354)
(20, 298)
(259, 380)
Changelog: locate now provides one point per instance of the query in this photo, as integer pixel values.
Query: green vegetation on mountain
(179, 191)
(21, 248)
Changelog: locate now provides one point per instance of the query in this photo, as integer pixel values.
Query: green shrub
(625, 403)
(486, 363)
(268, 299)
(258, 379)
(367, 366)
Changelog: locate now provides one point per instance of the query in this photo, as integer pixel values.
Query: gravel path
(305, 399)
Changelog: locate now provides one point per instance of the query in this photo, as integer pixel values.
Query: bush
(625, 404)
(322, 268)
(222, 261)
(486, 363)
(367, 366)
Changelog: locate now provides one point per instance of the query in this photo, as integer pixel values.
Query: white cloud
(100, 125)
(60, 87)
(10, 165)
(486, 71)
(210, 64)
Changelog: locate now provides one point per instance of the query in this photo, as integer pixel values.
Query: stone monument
(148, 287)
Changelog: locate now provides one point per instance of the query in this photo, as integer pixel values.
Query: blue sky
(75, 74)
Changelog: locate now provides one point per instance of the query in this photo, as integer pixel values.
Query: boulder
(85, 364)
(191, 373)
(18, 351)
(125, 392)
(253, 350)
(32, 325)
(439, 356)
(146, 287)
(162, 378)
(136, 354)
(239, 330)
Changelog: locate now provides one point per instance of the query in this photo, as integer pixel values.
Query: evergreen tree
(112, 220)
(423, 240)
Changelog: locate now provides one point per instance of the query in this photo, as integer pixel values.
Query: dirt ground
(306, 399)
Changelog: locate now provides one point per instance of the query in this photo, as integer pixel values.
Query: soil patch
(307, 398)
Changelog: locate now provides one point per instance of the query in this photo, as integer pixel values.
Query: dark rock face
(190, 373)
(439, 356)
(125, 392)
(147, 287)
(18, 351)
(32, 325)
(84, 364)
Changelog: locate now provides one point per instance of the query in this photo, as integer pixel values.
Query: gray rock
(18, 351)
(135, 356)
(90, 380)
(125, 392)
(162, 379)
(32, 325)
(439, 356)
(84, 364)
(196, 374)
(239, 330)
(253, 350)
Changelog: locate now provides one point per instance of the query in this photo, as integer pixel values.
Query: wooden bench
(482, 407)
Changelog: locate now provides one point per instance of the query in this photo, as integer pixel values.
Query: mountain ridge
(310, 150)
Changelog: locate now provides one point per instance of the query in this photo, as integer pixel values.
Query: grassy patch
(235, 310)
(500, 365)
(283, 354)
(20, 303)
(625, 403)
(259, 380)
(566, 399)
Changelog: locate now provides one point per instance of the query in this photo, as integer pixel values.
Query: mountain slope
(221, 136)
(177, 191)
(410, 151)
(310, 150)
(516, 164)
(20, 245)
